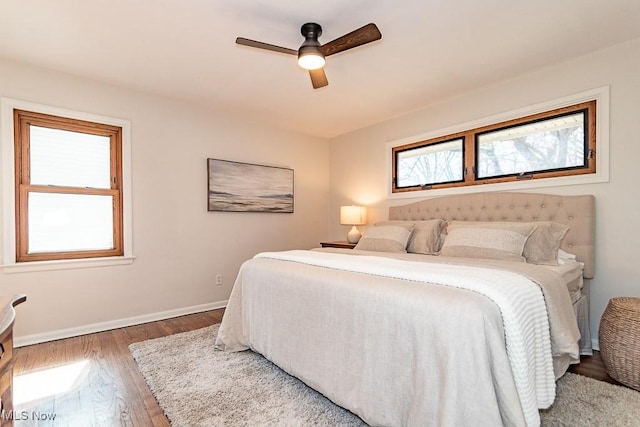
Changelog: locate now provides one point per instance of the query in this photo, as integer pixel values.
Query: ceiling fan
(311, 54)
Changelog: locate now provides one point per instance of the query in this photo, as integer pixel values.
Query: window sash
(69, 222)
(539, 127)
(428, 158)
(68, 158)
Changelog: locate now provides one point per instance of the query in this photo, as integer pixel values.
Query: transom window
(555, 143)
(68, 188)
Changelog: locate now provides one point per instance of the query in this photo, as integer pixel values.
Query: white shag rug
(196, 385)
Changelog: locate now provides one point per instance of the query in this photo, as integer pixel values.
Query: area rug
(196, 385)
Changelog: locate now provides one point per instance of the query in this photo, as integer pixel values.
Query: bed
(424, 339)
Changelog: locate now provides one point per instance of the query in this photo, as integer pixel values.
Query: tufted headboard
(578, 212)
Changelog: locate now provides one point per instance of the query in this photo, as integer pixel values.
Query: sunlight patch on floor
(48, 382)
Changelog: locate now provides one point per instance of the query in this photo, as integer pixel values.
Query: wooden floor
(593, 367)
(108, 389)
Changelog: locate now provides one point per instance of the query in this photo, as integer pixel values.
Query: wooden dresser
(7, 316)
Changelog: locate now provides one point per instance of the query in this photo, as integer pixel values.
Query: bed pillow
(385, 238)
(565, 257)
(425, 238)
(543, 244)
(504, 241)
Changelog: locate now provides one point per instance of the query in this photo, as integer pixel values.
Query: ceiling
(430, 50)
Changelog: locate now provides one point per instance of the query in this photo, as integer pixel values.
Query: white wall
(358, 159)
(178, 244)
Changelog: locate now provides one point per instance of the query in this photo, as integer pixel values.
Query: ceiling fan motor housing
(311, 31)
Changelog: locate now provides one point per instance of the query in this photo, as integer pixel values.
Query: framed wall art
(247, 187)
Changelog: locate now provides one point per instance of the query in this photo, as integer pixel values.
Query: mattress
(571, 273)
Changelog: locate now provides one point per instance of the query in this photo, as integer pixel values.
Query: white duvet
(290, 305)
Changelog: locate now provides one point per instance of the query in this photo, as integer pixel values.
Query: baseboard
(114, 324)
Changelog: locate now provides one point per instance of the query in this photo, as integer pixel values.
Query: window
(423, 165)
(555, 143)
(68, 194)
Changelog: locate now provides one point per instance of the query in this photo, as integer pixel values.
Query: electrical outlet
(218, 279)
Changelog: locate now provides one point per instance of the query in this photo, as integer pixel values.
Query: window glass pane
(69, 222)
(430, 164)
(66, 158)
(556, 143)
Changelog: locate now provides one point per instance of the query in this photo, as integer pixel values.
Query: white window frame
(7, 187)
(601, 95)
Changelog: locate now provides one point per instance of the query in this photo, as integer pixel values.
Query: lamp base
(354, 235)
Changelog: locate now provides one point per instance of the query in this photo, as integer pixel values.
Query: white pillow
(564, 257)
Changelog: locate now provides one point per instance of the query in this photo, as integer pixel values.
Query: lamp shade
(353, 215)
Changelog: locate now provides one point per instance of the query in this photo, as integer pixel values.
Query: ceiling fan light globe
(311, 61)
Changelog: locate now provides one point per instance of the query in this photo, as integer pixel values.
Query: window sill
(66, 264)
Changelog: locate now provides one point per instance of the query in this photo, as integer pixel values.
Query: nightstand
(339, 244)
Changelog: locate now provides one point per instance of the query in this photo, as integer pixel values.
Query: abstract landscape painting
(245, 187)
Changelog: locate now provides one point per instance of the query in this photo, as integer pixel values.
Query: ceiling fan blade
(318, 78)
(362, 35)
(266, 46)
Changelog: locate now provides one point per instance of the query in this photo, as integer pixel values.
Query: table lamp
(353, 215)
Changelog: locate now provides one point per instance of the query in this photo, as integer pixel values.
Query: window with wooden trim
(68, 177)
(556, 143)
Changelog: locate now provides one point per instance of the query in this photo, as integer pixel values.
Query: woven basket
(620, 340)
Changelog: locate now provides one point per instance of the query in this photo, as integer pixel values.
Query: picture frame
(247, 187)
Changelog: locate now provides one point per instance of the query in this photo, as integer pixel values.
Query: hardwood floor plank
(145, 409)
(110, 390)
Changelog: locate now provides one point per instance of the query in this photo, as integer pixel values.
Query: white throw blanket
(520, 301)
